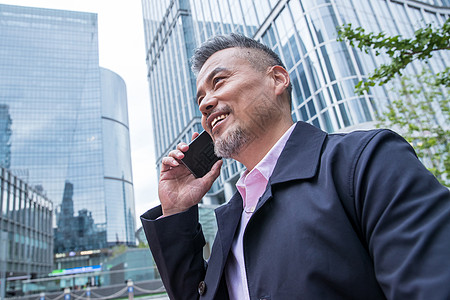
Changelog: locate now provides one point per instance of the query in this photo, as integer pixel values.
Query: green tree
(421, 109)
(414, 114)
(118, 250)
(402, 51)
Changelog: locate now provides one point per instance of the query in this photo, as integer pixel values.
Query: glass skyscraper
(64, 124)
(323, 71)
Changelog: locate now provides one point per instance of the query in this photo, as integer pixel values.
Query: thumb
(214, 172)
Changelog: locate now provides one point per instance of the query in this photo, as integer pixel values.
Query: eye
(216, 80)
(199, 100)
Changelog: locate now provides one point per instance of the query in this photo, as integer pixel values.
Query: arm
(405, 217)
(178, 189)
(177, 244)
(173, 232)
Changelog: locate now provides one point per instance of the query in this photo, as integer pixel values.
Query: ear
(281, 79)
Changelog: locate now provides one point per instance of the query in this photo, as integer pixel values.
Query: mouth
(218, 119)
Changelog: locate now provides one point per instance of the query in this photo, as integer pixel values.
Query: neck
(261, 145)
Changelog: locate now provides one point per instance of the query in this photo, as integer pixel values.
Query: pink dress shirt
(251, 186)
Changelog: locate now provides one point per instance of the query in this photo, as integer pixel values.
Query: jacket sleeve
(176, 243)
(404, 214)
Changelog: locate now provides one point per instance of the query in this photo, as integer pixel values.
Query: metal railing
(95, 285)
(130, 289)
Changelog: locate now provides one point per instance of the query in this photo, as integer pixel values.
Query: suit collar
(298, 160)
(300, 157)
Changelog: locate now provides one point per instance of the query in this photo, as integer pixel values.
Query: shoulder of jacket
(356, 141)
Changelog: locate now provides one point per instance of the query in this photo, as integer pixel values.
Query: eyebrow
(210, 77)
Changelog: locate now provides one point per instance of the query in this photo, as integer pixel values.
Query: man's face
(235, 99)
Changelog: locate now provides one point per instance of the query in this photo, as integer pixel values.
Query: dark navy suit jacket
(344, 216)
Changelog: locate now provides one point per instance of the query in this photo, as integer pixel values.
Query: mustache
(223, 109)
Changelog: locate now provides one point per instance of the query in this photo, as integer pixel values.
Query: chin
(218, 134)
(230, 143)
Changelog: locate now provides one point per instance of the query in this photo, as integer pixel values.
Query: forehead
(229, 58)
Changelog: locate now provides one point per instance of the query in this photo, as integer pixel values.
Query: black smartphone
(200, 157)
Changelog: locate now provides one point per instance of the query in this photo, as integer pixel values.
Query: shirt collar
(266, 166)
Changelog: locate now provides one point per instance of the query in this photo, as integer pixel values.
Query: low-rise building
(26, 234)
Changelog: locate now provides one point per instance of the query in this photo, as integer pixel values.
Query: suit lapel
(228, 217)
(299, 159)
(301, 154)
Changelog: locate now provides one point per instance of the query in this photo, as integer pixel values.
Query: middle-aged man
(316, 215)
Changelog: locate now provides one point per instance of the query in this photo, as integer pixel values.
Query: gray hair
(267, 57)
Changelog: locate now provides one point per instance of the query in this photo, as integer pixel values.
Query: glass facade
(323, 71)
(64, 124)
(26, 233)
(118, 180)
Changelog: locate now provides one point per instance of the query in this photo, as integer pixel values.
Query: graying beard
(232, 143)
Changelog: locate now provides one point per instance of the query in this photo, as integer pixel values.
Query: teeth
(217, 119)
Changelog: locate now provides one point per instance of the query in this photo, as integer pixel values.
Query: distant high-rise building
(303, 33)
(64, 124)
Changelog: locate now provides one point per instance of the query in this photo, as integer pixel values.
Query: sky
(122, 50)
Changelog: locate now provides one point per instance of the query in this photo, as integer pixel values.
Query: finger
(194, 135)
(168, 163)
(177, 154)
(183, 147)
(214, 172)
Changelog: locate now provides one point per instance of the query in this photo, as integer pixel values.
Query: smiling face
(237, 100)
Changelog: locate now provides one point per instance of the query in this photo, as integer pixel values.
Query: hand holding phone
(200, 157)
(177, 189)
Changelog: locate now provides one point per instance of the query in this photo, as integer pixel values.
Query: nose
(207, 104)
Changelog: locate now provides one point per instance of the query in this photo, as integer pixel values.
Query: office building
(303, 33)
(26, 233)
(64, 124)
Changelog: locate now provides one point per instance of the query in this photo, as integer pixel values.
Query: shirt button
(202, 288)
(249, 209)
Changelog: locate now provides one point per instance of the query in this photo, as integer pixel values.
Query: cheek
(204, 122)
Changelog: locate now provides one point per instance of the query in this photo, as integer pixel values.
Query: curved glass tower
(118, 181)
(68, 124)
